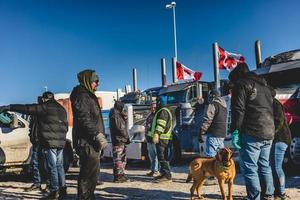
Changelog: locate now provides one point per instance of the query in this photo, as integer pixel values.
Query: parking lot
(141, 187)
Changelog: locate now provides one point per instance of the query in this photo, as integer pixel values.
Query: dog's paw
(201, 197)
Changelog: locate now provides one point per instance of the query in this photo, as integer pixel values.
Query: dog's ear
(230, 153)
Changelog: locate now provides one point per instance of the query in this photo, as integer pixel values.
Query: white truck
(15, 146)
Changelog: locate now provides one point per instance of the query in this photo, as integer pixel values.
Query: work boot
(53, 195)
(281, 197)
(62, 192)
(152, 173)
(267, 197)
(121, 179)
(33, 187)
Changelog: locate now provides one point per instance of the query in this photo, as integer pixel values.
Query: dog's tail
(192, 167)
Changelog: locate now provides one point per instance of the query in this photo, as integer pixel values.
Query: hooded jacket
(282, 130)
(117, 124)
(252, 105)
(87, 117)
(215, 118)
(52, 122)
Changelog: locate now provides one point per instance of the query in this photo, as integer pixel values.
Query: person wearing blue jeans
(276, 158)
(214, 124)
(213, 145)
(252, 127)
(55, 169)
(151, 147)
(281, 141)
(52, 128)
(35, 165)
(255, 164)
(154, 164)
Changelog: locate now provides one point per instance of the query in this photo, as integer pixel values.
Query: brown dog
(221, 166)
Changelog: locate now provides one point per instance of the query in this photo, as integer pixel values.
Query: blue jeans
(276, 159)
(35, 165)
(212, 145)
(55, 168)
(154, 165)
(255, 154)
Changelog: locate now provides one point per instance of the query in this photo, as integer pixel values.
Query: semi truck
(137, 105)
(282, 72)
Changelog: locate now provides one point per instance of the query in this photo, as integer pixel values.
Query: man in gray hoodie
(214, 124)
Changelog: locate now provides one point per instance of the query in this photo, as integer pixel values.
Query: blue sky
(47, 42)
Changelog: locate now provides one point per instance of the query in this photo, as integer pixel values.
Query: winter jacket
(117, 124)
(87, 118)
(162, 124)
(215, 118)
(52, 122)
(252, 107)
(33, 130)
(282, 130)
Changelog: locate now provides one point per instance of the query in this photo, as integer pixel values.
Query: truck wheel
(292, 159)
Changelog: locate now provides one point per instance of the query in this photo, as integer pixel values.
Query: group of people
(258, 126)
(48, 128)
(259, 131)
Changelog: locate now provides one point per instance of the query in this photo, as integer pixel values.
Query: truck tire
(292, 159)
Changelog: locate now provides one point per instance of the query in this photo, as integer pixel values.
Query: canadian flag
(184, 73)
(229, 60)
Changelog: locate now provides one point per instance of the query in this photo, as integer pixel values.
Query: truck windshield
(284, 79)
(175, 97)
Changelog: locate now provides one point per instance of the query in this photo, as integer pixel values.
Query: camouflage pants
(119, 160)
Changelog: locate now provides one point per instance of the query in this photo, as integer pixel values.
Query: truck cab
(181, 99)
(282, 72)
(138, 106)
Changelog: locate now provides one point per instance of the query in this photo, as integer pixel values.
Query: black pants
(89, 167)
(162, 154)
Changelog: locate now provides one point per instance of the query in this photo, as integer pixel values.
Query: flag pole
(134, 77)
(174, 60)
(216, 65)
(163, 72)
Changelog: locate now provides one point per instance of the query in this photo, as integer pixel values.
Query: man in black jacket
(88, 131)
(36, 151)
(52, 126)
(119, 137)
(252, 117)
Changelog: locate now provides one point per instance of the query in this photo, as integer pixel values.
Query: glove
(200, 139)
(4, 108)
(155, 138)
(235, 139)
(100, 141)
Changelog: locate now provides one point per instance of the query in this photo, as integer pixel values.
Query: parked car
(15, 145)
